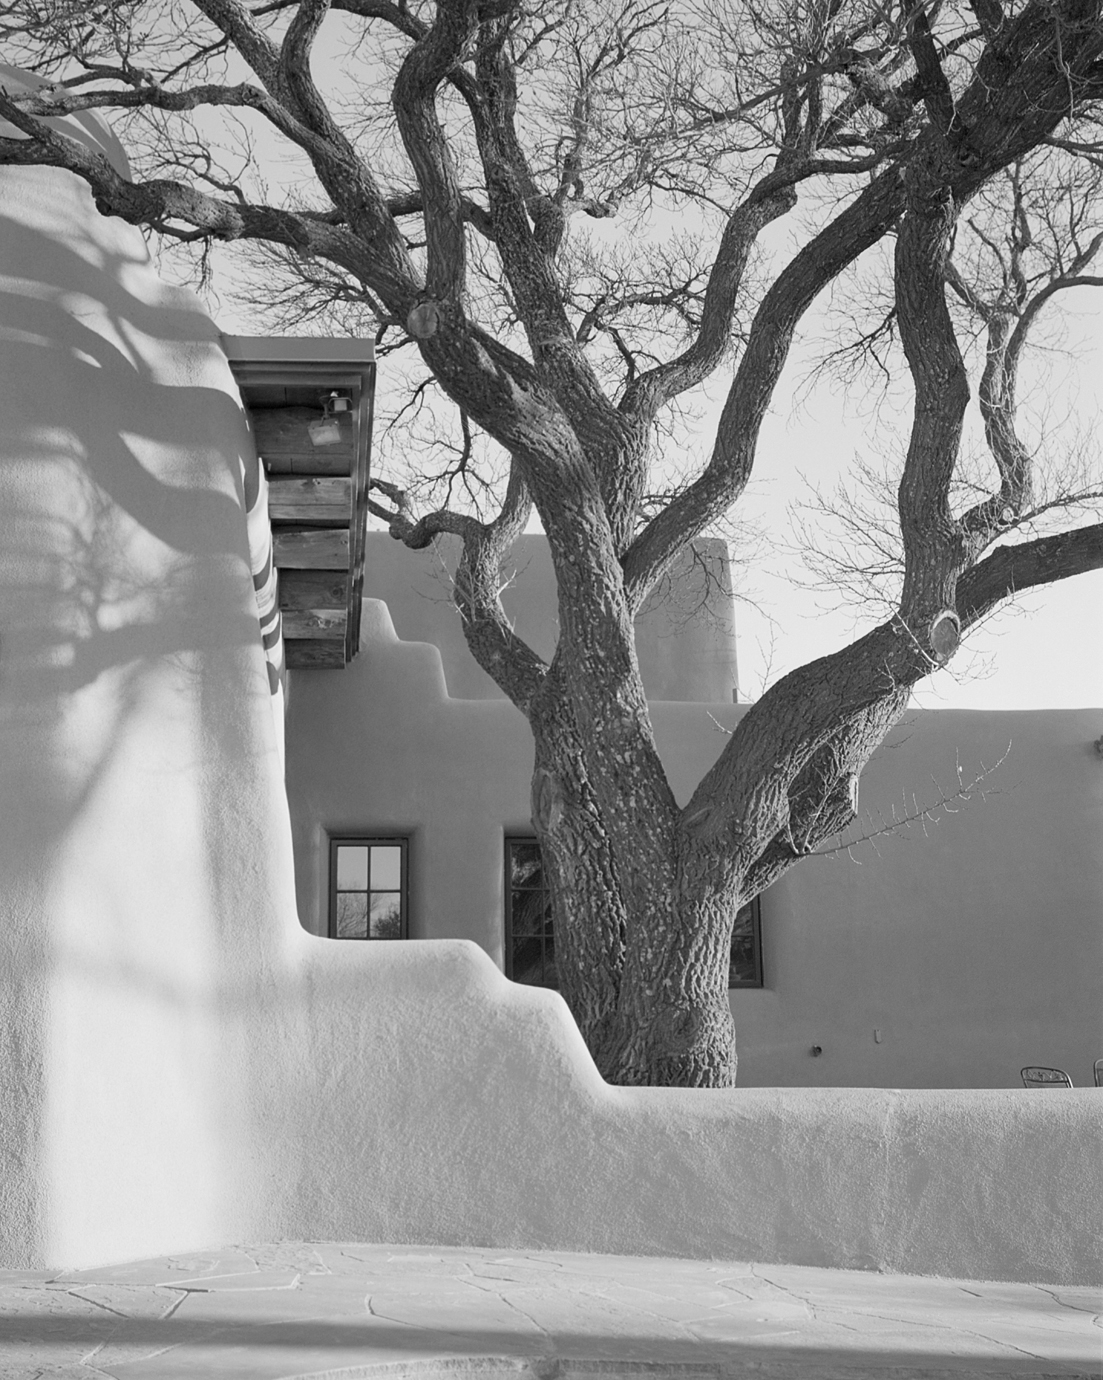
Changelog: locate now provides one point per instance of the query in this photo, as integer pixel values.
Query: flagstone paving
(346, 1311)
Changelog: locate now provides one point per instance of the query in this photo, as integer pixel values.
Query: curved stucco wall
(181, 1064)
(88, 127)
(144, 868)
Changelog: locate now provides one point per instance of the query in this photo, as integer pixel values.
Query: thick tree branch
(1017, 97)
(163, 204)
(348, 183)
(823, 799)
(857, 227)
(1009, 570)
(414, 102)
(240, 28)
(937, 96)
(396, 15)
(657, 386)
(934, 551)
(295, 70)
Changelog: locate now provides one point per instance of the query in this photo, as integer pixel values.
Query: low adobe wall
(181, 1065)
(466, 1110)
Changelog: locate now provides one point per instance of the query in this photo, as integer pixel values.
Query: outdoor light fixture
(326, 431)
(1099, 745)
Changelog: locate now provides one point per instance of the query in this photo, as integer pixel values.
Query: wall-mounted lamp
(1099, 745)
(325, 431)
(817, 1050)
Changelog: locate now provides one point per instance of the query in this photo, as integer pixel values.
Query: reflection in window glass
(386, 915)
(530, 942)
(386, 867)
(352, 867)
(368, 888)
(352, 915)
(745, 964)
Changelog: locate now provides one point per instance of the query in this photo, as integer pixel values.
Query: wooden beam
(312, 655)
(311, 548)
(313, 589)
(286, 437)
(360, 482)
(314, 623)
(312, 499)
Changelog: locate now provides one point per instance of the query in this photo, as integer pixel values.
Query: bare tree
(449, 168)
(1033, 235)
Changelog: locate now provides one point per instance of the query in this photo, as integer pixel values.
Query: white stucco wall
(143, 843)
(490, 1125)
(948, 955)
(181, 1064)
(685, 633)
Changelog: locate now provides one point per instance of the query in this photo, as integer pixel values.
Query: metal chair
(1035, 1076)
(1099, 1073)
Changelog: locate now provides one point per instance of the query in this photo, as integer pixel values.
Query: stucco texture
(143, 843)
(181, 1064)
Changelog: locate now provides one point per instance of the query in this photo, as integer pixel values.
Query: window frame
(753, 984)
(507, 911)
(756, 933)
(348, 839)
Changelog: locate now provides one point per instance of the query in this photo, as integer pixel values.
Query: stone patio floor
(300, 1308)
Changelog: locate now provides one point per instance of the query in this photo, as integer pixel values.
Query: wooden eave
(317, 491)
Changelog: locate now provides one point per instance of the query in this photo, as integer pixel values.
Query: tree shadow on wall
(123, 569)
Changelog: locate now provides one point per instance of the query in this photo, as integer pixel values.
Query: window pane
(386, 915)
(352, 915)
(551, 976)
(386, 867)
(528, 961)
(352, 867)
(531, 913)
(524, 864)
(745, 963)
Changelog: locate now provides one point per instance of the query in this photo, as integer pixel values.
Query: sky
(1044, 651)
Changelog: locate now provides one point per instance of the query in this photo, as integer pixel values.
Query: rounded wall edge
(88, 128)
(146, 878)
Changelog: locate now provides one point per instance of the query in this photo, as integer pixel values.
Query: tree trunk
(589, 917)
(647, 985)
(674, 1025)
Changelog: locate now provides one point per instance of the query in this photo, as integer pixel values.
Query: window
(530, 944)
(367, 888)
(745, 963)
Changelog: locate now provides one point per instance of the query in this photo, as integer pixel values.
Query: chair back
(1036, 1076)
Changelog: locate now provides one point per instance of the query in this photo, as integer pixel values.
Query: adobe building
(948, 956)
(187, 1058)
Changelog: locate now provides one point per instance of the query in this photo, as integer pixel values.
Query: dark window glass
(530, 944)
(367, 888)
(745, 962)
